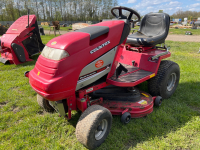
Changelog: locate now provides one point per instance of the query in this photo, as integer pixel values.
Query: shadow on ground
(172, 115)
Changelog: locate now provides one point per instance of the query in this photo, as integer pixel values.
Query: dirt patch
(17, 89)
(130, 144)
(195, 109)
(41, 112)
(3, 104)
(15, 110)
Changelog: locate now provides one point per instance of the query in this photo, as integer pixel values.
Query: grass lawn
(182, 31)
(61, 28)
(178, 31)
(175, 125)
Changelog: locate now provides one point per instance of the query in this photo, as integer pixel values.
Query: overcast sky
(168, 6)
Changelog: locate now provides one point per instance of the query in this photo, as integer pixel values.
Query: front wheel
(93, 126)
(166, 81)
(44, 104)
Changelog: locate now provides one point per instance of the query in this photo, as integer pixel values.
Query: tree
(50, 10)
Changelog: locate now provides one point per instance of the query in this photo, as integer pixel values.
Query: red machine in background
(21, 41)
(95, 69)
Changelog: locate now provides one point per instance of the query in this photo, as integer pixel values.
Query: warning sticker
(89, 90)
(99, 63)
(142, 102)
(153, 75)
(145, 95)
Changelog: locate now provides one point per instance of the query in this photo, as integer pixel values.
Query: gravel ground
(171, 37)
(183, 38)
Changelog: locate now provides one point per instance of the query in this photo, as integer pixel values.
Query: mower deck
(137, 109)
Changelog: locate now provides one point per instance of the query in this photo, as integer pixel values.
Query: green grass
(178, 31)
(182, 31)
(61, 28)
(175, 125)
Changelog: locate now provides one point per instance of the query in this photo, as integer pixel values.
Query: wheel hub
(101, 129)
(171, 82)
(128, 119)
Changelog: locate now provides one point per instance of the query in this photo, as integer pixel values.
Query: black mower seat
(153, 30)
(94, 31)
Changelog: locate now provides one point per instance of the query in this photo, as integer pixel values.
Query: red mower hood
(70, 42)
(73, 42)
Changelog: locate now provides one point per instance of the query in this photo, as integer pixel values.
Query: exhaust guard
(60, 106)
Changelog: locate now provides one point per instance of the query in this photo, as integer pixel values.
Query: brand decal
(99, 63)
(38, 73)
(14, 29)
(53, 43)
(99, 47)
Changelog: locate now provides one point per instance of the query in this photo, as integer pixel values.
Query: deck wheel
(158, 101)
(126, 118)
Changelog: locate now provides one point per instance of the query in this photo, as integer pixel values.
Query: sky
(168, 6)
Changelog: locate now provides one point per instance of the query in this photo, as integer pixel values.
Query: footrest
(132, 77)
(128, 70)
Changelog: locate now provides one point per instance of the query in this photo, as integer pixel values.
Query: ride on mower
(21, 41)
(95, 70)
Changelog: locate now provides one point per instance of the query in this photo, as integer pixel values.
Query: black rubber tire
(158, 85)
(88, 123)
(44, 104)
(126, 118)
(158, 101)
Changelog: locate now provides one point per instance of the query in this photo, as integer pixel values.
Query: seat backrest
(155, 24)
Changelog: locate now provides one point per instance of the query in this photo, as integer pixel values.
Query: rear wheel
(166, 81)
(93, 126)
(44, 104)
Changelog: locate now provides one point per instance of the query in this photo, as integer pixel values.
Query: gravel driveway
(171, 37)
(183, 38)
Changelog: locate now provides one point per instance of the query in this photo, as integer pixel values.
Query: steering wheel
(121, 16)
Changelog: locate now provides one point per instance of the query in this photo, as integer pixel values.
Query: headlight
(54, 54)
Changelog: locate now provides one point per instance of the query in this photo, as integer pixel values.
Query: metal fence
(5, 22)
(61, 22)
